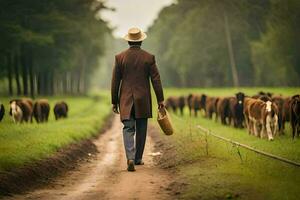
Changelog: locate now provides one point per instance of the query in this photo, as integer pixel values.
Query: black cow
(236, 106)
(2, 111)
(61, 110)
(295, 115)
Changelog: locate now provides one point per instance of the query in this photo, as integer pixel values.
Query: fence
(249, 147)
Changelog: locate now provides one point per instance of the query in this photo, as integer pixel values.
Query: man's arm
(115, 85)
(156, 83)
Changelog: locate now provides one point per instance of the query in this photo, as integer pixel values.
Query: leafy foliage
(53, 40)
(193, 46)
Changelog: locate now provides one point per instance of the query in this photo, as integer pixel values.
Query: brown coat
(130, 82)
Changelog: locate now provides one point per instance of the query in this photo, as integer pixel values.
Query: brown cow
(248, 122)
(189, 103)
(171, 104)
(41, 110)
(30, 103)
(211, 107)
(279, 101)
(223, 110)
(264, 118)
(20, 110)
(295, 115)
(181, 104)
(262, 94)
(61, 110)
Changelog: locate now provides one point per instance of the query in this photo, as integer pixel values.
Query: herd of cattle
(263, 114)
(25, 109)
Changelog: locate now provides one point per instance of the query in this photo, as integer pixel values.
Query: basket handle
(161, 113)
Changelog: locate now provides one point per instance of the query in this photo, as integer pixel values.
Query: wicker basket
(164, 121)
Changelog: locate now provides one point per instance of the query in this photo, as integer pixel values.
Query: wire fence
(207, 131)
(237, 144)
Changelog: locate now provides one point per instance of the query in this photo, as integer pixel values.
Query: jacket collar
(135, 47)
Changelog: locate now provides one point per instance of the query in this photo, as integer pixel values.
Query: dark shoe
(130, 166)
(139, 162)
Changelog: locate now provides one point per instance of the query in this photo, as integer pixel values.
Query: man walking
(130, 92)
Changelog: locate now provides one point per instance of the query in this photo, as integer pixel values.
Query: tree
(207, 42)
(50, 43)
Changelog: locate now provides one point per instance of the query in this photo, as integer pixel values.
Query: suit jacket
(133, 70)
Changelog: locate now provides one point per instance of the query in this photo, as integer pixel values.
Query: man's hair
(135, 43)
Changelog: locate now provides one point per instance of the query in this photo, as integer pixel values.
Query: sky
(132, 13)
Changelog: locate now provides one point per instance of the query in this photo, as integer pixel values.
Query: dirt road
(105, 176)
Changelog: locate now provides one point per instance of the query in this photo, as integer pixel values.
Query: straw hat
(135, 35)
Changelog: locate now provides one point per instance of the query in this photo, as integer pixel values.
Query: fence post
(206, 143)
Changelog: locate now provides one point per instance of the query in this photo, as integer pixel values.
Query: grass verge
(22, 144)
(214, 169)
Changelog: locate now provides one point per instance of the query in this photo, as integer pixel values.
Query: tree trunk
(64, 82)
(72, 83)
(31, 74)
(9, 73)
(78, 82)
(85, 84)
(39, 84)
(46, 89)
(51, 82)
(42, 87)
(24, 70)
(230, 52)
(17, 76)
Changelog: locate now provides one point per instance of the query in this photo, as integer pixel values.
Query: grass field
(228, 172)
(24, 143)
(231, 91)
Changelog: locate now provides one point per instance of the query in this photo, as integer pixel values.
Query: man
(130, 91)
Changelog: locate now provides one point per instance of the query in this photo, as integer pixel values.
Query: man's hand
(115, 109)
(161, 105)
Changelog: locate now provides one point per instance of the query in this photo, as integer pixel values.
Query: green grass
(231, 91)
(25, 143)
(228, 172)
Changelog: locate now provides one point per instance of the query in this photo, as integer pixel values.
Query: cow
(295, 115)
(2, 111)
(261, 93)
(189, 103)
(264, 118)
(20, 110)
(223, 109)
(286, 111)
(211, 107)
(196, 104)
(236, 107)
(30, 103)
(61, 110)
(279, 101)
(41, 110)
(171, 104)
(203, 102)
(248, 122)
(181, 104)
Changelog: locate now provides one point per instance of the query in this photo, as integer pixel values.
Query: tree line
(50, 47)
(228, 43)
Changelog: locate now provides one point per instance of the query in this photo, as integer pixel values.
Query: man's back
(134, 67)
(135, 64)
(130, 91)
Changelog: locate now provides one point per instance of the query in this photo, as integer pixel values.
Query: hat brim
(143, 37)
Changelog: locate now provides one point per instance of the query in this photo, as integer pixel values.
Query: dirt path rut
(105, 175)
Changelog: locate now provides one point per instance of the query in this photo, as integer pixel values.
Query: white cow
(16, 112)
